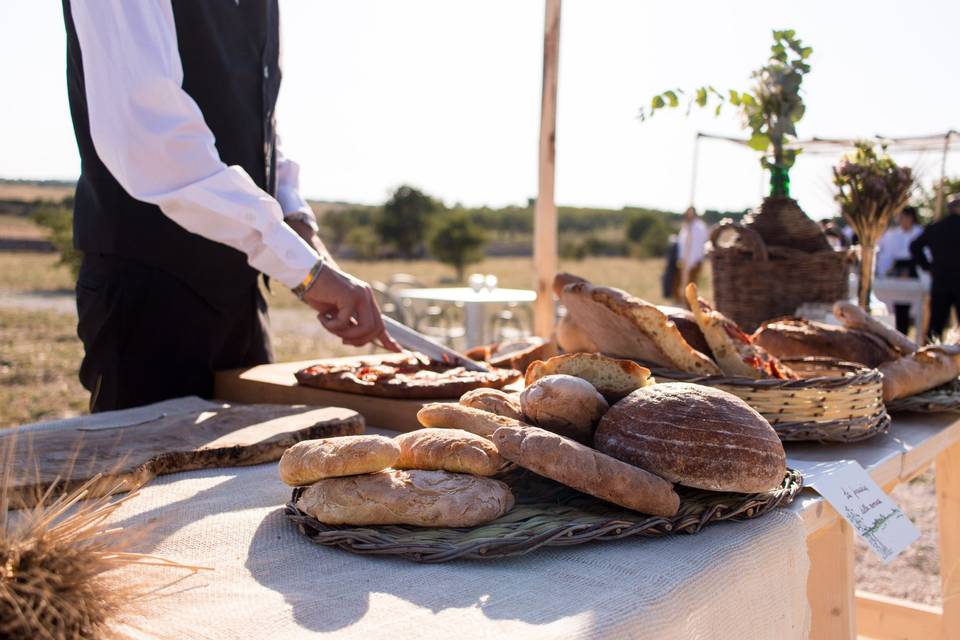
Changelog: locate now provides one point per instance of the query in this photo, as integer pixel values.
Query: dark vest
(230, 52)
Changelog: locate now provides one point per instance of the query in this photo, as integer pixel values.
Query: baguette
(794, 338)
(926, 369)
(853, 317)
(455, 416)
(586, 470)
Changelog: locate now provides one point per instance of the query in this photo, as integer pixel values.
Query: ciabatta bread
(414, 497)
(311, 460)
(696, 436)
(621, 325)
(453, 450)
(494, 401)
(586, 470)
(613, 378)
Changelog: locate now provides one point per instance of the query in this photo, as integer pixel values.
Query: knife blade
(416, 341)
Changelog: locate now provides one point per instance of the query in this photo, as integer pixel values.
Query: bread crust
(494, 401)
(580, 467)
(564, 404)
(926, 369)
(452, 450)
(311, 460)
(621, 325)
(445, 415)
(696, 436)
(796, 338)
(733, 349)
(853, 317)
(571, 338)
(415, 497)
(614, 378)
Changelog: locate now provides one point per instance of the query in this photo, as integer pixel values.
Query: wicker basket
(945, 398)
(834, 401)
(755, 278)
(546, 514)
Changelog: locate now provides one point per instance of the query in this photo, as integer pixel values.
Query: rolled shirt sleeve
(152, 137)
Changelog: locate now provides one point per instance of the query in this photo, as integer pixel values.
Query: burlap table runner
(733, 580)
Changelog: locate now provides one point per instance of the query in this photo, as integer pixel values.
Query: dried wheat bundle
(53, 558)
(872, 187)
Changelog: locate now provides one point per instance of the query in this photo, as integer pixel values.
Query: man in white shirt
(894, 259)
(692, 247)
(185, 198)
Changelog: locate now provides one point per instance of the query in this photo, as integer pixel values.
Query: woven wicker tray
(546, 514)
(945, 398)
(834, 401)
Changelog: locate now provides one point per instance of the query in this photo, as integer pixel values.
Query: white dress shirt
(895, 245)
(152, 137)
(692, 242)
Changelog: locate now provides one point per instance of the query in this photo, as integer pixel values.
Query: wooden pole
(938, 208)
(545, 212)
(948, 513)
(693, 171)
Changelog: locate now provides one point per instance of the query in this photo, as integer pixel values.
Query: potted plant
(770, 109)
(871, 188)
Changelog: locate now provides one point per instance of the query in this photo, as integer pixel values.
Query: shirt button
(266, 71)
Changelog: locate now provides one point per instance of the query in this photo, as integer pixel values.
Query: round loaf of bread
(453, 450)
(493, 401)
(564, 404)
(311, 460)
(416, 497)
(696, 436)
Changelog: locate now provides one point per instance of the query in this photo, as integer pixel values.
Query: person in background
(691, 249)
(185, 198)
(833, 233)
(668, 281)
(895, 261)
(942, 239)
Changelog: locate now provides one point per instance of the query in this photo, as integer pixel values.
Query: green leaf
(701, 98)
(759, 142)
(657, 102)
(716, 111)
(734, 97)
(671, 96)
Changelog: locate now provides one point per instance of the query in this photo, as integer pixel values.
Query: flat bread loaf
(795, 338)
(311, 460)
(624, 326)
(453, 450)
(612, 377)
(454, 416)
(581, 468)
(418, 498)
(696, 436)
(493, 401)
(926, 369)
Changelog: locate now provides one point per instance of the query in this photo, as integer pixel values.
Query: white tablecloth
(735, 580)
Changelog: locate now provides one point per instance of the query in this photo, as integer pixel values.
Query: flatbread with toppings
(733, 349)
(401, 376)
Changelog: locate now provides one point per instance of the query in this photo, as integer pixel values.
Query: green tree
(60, 222)
(649, 232)
(456, 240)
(405, 220)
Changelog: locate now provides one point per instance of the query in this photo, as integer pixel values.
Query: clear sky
(445, 94)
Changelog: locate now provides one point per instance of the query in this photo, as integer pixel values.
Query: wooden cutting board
(228, 436)
(277, 383)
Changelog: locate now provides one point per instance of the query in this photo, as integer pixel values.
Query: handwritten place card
(860, 501)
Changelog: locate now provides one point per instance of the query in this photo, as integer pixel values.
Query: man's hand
(346, 308)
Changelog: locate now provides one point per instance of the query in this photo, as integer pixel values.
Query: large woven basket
(833, 402)
(546, 514)
(755, 278)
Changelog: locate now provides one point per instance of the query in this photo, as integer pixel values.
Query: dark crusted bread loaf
(696, 436)
(794, 338)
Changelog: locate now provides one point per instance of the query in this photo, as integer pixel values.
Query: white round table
(474, 304)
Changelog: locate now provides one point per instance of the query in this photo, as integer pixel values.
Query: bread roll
(853, 317)
(733, 349)
(415, 497)
(794, 338)
(694, 435)
(613, 378)
(455, 416)
(586, 470)
(564, 404)
(926, 369)
(621, 325)
(453, 450)
(311, 460)
(493, 401)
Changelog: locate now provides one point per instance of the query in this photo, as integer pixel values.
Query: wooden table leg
(830, 585)
(948, 513)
